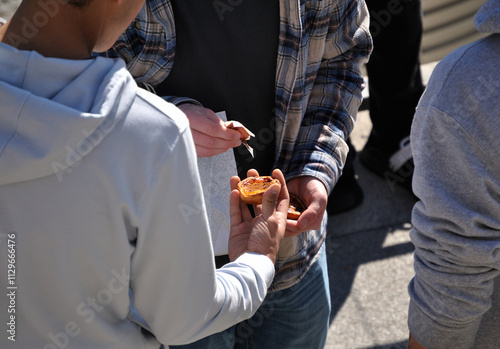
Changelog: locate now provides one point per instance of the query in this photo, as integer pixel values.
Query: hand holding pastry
(264, 232)
(252, 189)
(313, 194)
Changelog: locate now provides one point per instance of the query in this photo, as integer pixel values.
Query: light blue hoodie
(455, 137)
(99, 196)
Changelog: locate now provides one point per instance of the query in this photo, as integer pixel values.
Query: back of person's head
(69, 29)
(75, 3)
(79, 3)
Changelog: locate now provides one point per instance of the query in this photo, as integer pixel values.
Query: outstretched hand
(264, 232)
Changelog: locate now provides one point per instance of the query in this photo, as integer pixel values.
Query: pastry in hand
(296, 207)
(252, 190)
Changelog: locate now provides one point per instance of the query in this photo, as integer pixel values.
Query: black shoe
(345, 196)
(396, 167)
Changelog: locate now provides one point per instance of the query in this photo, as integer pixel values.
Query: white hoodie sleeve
(174, 282)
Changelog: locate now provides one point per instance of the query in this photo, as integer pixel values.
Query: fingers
(276, 197)
(244, 212)
(210, 135)
(207, 145)
(313, 193)
(311, 218)
(281, 202)
(252, 173)
(203, 152)
(291, 228)
(235, 208)
(284, 196)
(269, 200)
(210, 125)
(294, 228)
(233, 182)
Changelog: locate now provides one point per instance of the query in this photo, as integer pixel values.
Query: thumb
(269, 200)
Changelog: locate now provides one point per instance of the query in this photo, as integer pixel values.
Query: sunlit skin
(314, 195)
(70, 32)
(211, 137)
(269, 216)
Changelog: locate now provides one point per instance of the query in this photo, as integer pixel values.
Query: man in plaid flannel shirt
(317, 84)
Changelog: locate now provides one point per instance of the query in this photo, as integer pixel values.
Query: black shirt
(225, 58)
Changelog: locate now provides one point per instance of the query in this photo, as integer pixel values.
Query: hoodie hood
(56, 111)
(487, 19)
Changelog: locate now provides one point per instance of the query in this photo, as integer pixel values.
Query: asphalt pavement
(370, 259)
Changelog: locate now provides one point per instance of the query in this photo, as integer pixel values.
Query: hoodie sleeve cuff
(261, 265)
(432, 334)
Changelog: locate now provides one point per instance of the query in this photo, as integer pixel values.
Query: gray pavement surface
(370, 259)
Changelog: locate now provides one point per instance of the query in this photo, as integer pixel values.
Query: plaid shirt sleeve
(332, 87)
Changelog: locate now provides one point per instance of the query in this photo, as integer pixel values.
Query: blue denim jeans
(297, 317)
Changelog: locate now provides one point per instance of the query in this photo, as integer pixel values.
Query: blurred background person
(395, 86)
